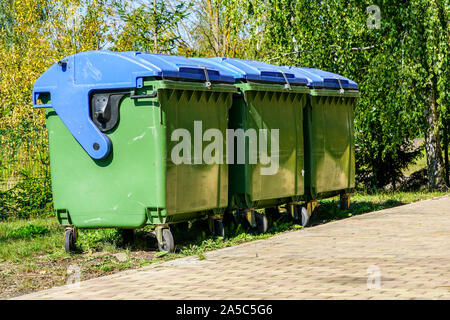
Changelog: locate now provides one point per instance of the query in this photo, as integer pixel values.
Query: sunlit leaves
(150, 27)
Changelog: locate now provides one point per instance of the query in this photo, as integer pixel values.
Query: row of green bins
(120, 127)
(329, 136)
(268, 108)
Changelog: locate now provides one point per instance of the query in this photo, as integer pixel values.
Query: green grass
(362, 203)
(32, 255)
(17, 244)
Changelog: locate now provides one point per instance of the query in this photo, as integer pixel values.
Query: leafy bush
(29, 198)
(27, 232)
(25, 186)
(33, 197)
(3, 204)
(384, 170)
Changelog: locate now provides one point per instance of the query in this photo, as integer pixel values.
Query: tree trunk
(435, 168)
(155, 31)
(446, 129)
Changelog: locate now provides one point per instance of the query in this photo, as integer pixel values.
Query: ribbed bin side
(331, 146)
(280, 111)
(196, 185)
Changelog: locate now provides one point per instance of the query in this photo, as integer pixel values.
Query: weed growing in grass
(98, 239)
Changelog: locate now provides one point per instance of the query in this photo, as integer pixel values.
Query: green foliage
(25, 186)
(94, 240)
(6, 19)
(30, 197)
(150, 28)
(395, 66)
(223, 28)
(27, 232)
(161, 254)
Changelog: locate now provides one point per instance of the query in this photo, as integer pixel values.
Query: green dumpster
(329, 138)
(272, 100)
(116, 122)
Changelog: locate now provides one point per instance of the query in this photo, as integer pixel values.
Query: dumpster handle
(207, 83)
(287, 85)
(133, 95)
(341, 91)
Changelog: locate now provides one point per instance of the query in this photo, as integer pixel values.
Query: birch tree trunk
(155, 31)
(435, 168)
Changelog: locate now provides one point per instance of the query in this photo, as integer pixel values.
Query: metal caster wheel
(218, 228)
(70, 239)
(292, 209)
(262, 224)
(165, 240)
(345, 201)
(304, 217)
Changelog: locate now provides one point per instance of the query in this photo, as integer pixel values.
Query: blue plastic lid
(169, 66)
(68, 85)
(323, 79)
(250, 70)
(122, 69)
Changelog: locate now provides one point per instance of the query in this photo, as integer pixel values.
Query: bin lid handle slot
(133, 95)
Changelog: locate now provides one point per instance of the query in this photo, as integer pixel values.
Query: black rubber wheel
(303, 216)
(69, 241)
(167, 243)
(218, 228)
(262, 224)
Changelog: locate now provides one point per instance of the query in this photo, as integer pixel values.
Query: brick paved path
(408, 246)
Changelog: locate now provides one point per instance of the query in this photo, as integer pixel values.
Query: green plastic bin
(136, 183)
(269, 106)
(330, 143)
(329, 136)
(268, 99)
